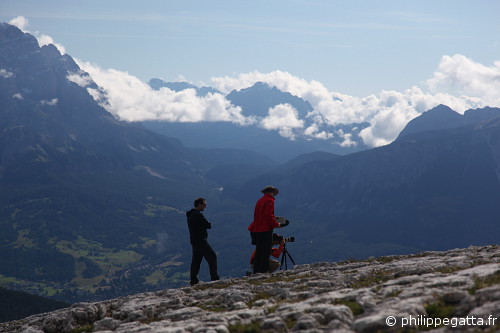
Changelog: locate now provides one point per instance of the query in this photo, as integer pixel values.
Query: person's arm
(269, 214)
(204, 222)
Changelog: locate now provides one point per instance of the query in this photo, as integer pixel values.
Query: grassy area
(6, 280)
(155, 210)
(484, 282)
(28, 286)
(155, 277)
(81, 248)
(97, 253)
(123, 258)
(23, 240)
(108, 260)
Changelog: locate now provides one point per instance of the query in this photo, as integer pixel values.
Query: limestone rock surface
(455, 290)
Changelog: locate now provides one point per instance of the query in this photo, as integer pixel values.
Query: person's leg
(195, 264)
(258, 252)
(211, 258)
(263, 251)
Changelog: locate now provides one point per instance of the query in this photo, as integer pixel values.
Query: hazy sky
(382, 61)
(355, 47)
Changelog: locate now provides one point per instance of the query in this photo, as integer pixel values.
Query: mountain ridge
(443, 117)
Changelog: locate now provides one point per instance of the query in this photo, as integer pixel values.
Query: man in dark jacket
(198, 235)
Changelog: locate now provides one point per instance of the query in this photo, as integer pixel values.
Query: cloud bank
(130, 99)
(458, 82)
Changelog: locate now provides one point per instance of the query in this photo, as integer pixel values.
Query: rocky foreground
(442, 291)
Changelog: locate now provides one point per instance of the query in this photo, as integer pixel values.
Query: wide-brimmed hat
(270, 189)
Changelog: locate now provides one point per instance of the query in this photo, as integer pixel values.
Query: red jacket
(263, 215)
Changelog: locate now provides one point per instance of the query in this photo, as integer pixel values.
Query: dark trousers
(263, 246)
(203, 250)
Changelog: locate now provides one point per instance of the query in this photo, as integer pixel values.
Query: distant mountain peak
(437, 118)
(262, 85)
(440, 108)
(9, 31)
(440, 113)
(259, 98)
(50, 50)
(443, 117)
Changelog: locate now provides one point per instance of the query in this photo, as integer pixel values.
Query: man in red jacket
(262, 227)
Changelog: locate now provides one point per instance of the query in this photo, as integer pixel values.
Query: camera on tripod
(278, 238)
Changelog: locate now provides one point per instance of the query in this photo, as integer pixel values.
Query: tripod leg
(283, 259)
(288, 253)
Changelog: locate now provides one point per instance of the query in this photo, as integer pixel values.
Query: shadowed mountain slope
(87, 203)
(428, 190)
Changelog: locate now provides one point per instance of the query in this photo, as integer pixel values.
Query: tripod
(284, 254)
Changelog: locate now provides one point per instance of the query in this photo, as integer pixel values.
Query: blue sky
(356, 47)
(387, 61)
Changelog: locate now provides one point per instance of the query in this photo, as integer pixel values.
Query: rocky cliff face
(458, 289)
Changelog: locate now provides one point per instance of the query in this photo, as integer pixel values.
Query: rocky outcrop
(451, 290)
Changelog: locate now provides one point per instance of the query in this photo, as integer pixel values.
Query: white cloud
(22, 23)
(313, 131)
(18, 96)
(5, 73)
(52, 102)
(82, 79)
(284, 118)
(347, 140)
(130, 99)
(460, 76)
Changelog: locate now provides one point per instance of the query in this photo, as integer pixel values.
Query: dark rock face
(63, 158)
(44, 113)
(392, 294)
